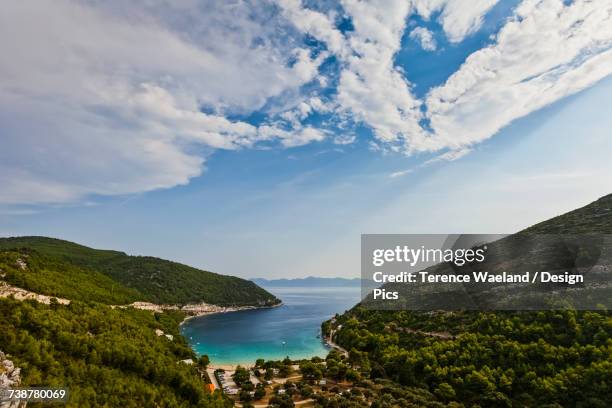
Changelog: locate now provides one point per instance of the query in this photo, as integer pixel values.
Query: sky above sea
(261, 139)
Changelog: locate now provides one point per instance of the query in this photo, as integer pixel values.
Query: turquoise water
(289, 330)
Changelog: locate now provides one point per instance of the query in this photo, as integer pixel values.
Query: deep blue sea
(292, 329)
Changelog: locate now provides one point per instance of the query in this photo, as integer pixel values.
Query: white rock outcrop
(10, 377)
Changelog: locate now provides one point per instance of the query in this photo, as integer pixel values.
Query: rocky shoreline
(193, 310)
(197, 311)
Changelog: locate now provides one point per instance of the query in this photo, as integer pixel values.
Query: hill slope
(131, 277)
(595, 217)
(497, 359)
(105, 357)
(51, 276)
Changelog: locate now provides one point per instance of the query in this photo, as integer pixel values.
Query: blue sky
(261, 140)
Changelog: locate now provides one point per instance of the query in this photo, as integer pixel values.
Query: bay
(292, 329)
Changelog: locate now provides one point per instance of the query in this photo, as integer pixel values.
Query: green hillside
(487, 359)
(60, 265)
(51, 276)
(593, 218)
(105, 357)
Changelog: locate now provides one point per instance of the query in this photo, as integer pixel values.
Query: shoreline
(222, 309)
(231, 366)
(192, 310)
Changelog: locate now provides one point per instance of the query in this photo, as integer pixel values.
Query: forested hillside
(58, 267)
(105, 357)
(108, 356)
(51, 276)
(489, 359)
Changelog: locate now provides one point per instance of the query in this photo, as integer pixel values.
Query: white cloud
(106, 98)
(458, 19)
(371, 87)
(292, 138)
(548, 51)
(400, 173)
(424, 37)
(449, 156)
(316, 24)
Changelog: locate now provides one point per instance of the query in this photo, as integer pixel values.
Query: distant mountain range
(311, 281)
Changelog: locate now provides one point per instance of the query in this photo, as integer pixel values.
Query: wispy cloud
(400, 173)
(424, 37)
(108, 98)
(444, 157)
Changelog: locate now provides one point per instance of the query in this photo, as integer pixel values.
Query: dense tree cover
(311, 371)
(281, 401)
(283, 367)
(164, 281)
(106, 357)
(38, 273)
(490, 359)
(155, 280)
(339, 369)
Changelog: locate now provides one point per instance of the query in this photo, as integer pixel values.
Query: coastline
(330, 343)
(227, 367)
(194, 312)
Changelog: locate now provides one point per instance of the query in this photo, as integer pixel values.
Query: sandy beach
(230, 367)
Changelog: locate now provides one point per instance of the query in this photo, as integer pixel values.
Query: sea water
(293, 329)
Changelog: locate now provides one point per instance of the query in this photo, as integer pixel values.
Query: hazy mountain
(310, 281)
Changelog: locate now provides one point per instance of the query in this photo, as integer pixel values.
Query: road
(333, 345)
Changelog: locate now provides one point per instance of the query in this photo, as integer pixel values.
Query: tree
(241, 375)
(203, 362)
(306, 391)
(245, 396)
(284, 371)
(310, 370)
(445, 391)
(260, 392)
(281, 401)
